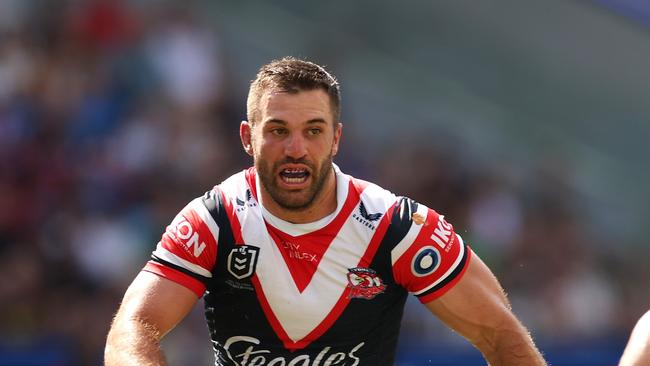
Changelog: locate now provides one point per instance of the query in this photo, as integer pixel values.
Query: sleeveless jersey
(321, 294)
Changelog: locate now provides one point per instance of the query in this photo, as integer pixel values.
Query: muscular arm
(637, 351)
(151, 307)
(478, 309)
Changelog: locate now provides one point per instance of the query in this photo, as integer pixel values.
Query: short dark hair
(292, 75)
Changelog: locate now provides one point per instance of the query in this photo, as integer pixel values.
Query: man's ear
(338, 130)
(246, 136)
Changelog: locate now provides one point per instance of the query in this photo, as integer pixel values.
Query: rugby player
(301, 264)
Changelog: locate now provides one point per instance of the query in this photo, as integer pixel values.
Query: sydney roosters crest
(364, 283)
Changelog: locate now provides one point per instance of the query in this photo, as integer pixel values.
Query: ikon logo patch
(242, 261)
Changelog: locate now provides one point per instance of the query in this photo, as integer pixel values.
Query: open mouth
(294, 175)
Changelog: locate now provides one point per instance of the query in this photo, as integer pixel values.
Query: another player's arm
(151, 307)
(637, 351)
(477, 308)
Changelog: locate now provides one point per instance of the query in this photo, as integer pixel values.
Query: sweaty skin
(478, 309)
(295, 131)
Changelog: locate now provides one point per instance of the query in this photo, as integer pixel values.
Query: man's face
(292, 145)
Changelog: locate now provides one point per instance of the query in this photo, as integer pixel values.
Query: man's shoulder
(406, 210)
(374, 191)
(236, 183)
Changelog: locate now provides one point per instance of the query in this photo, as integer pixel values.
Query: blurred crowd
(113, 116)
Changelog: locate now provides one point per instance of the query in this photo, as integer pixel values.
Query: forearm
(509, 348)
(133, 342)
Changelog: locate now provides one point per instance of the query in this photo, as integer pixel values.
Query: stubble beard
(294, 200)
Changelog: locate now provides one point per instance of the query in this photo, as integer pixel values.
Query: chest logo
(241, 204)
(365, 218)
(368, 216)
(364, 283)
(242, 261)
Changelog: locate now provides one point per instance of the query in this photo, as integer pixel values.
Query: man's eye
(278, 131)
(314, 131)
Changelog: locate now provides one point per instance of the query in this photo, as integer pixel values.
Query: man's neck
(324, 203)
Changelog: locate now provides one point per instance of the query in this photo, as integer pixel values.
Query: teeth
(294, 180)
(295, 170)
(294, 175)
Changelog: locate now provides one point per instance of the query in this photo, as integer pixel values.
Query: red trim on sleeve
(434, 295)
(177, 276)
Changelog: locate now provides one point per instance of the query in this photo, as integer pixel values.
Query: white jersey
(326, 293)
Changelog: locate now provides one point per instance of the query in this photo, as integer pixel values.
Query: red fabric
(177, 276)
(434, 295)
(438, 235)
(341, 304)
(303, 253)
(189, 238)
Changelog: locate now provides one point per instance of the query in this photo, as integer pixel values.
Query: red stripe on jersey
(179, 277)
(434, 295)
(237, 234)
(270, 316)
(344, 300)
(359, 184)
(303, 253)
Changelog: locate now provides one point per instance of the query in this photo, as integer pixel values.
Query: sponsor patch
(242, 261)
(364, 283)
(442, 234)
(182, 230)
(425, 261)
(242, 349)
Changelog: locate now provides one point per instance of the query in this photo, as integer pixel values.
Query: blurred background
(524, 122)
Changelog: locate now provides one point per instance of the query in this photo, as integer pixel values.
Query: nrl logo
(364, 283)
(242, 261)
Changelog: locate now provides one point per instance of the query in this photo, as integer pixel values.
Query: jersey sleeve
(431, 258)
(187, 251)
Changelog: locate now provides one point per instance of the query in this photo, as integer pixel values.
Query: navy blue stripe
(165, 263)
(212, 201)
(400, 223)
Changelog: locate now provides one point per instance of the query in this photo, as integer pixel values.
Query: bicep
(155, 301)
(476, 306)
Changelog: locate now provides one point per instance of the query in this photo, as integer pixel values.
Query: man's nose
(295, 146)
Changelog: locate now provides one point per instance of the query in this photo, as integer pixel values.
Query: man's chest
(304, 284)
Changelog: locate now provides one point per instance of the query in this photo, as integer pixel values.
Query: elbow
(508, 340)
(132, 339)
